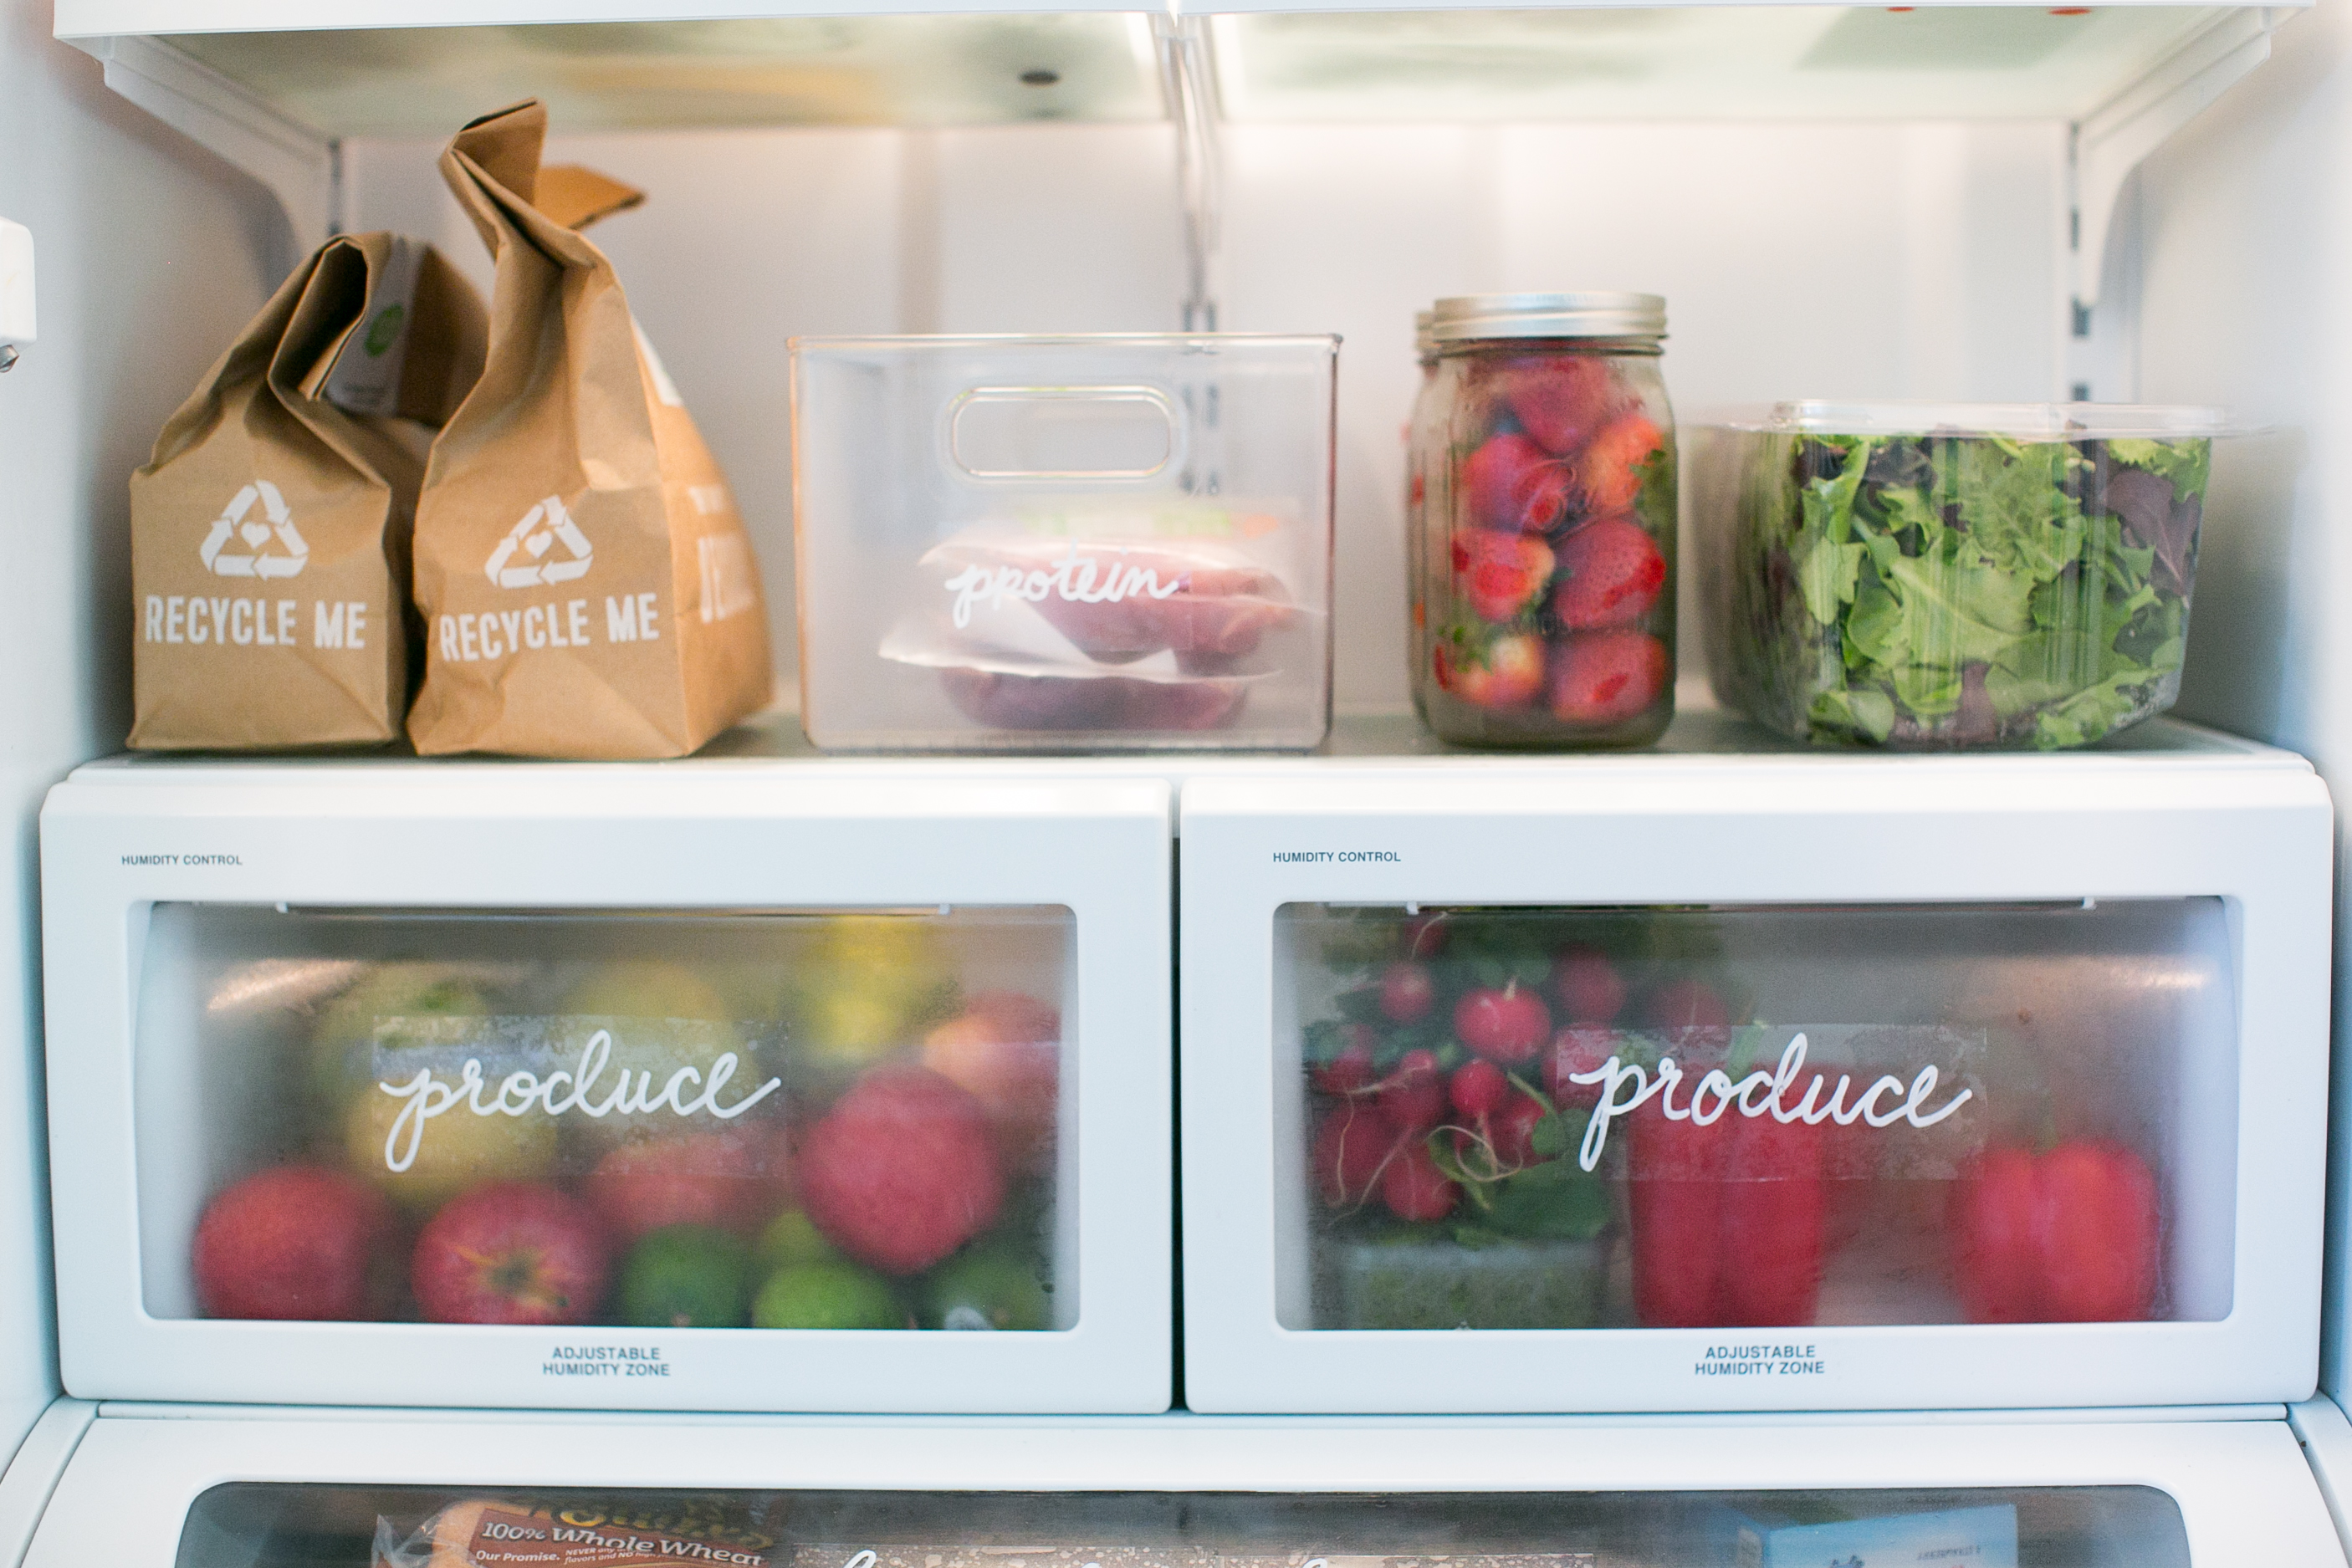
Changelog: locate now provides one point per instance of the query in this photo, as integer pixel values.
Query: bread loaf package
(716, 1529)
(270, 530)
(587, 585)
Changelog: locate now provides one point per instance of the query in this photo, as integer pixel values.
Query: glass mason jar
(1543, 552)
(1417, 448)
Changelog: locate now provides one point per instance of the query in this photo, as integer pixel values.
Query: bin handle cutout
(1055, 432)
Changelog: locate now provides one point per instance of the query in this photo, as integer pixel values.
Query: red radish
(1509, 1024)
(1579, 1047)
(1425, 935)
(1501, 574)
(1515, 484)
(1478, 1088)
(1607, 677)
(1686, 1004)
(1562, 400)
(1608, 473)
(1414, 1188)
(1413, 1093)
(902, 1171)
(1509, 675)
(1407, 993)
(1512, 1131)
(1611, 572)
(510, 1252)
(1349, 1072)
(1351, 1147)
(294, 1242)
(1588, 986)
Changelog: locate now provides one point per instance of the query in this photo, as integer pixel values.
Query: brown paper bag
(587, 586)
(270, 530)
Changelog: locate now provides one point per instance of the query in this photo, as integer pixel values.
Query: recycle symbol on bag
(237, 523)
(544, 525)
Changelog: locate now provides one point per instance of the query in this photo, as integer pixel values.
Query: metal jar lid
(1466, 317)
(1423, 343)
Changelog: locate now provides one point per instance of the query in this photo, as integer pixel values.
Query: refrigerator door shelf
(590, 1089)
(1220, 1493)
(1752, 1087)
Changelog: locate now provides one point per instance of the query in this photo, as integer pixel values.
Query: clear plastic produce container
(1475, 1149)
(672, 1119)
(1950, 576)
(1064, 544)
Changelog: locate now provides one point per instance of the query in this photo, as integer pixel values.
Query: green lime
(791, 1238)
(687, 1277)
(992, 1288)
(826, 1296)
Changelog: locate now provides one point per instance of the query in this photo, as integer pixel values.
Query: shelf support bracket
(2109, 142)
(1188, 78)
(300, 167)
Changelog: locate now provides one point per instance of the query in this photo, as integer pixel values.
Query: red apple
(737, 1180)
(294, 1242)
(902, 1171)
(511, 1253)
(1006, 1049)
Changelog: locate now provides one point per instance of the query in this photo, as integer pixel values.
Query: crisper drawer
(1807, 1085)
(155, 1489)
(496, 1089)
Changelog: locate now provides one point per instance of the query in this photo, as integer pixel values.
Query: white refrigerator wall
(149, 261)
(2245, 247)
(1857, 260)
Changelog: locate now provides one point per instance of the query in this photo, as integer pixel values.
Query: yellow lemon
(459, 1149)
(343, 1041)
(644, 996)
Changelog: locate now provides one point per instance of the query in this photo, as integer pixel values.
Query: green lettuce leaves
(1964, 590)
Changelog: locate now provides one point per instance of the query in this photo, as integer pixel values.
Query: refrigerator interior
(1943, 269)
(149, 1486)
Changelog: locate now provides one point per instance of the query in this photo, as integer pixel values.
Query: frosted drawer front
(1754, 1117)
(284, 1526)
(775, 1119)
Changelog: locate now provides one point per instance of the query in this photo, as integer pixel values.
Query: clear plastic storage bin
(1058, 544)
(754, 1087)
(1714, 1082)
(1950, 576)
(671, 1119)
